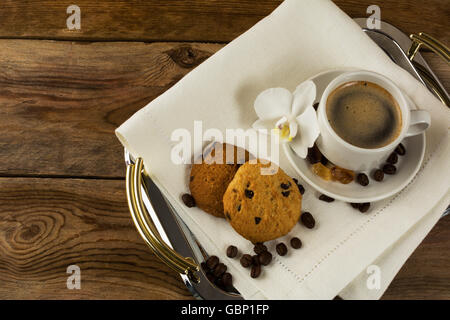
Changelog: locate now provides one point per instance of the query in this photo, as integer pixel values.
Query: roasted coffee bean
(232, 252)
(285, 193)
(256, 271)
(316, 105)
(323, 160)
(227, 280)
(204, 267)
(363, 207)
(393, 158)
(246, 260)
(281, 249)
(378, 175)
(249, 193)
(265, 258)
(401, 150)
(355, 205)
(212, 262)
(257, 220)
(285, 186)
(188, 200)
(314, 155)
(211, 277)
(255, 260)
(259, 248)
(296, 243)
(362, 179)
(389, 168)
(219, 270)
(301, 189)
(308, 220)
(326, 198)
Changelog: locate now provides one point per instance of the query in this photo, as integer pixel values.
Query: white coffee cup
(348, 156)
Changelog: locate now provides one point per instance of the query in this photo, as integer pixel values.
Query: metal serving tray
(167, 235)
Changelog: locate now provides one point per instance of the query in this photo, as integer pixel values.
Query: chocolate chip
(301, 189)
(326, 198)
(393, 158)
(362, 179)
(363, 207)
(285, 186)
(255, 260)
(308, 220)
(265, 258)
(227, 279)
(355, 205)
(255, 272)
(401, 150)
(281, 249)
(257, 220)
(212, 262)
(227, 215)
(285, 193)
(249, 193)
(188, 200)
(389, 168)
(246, 260)
(295, 180)
(219, 270)
(191, 178)
(378, 175)
(296, 243)
(232, 252)
(239, 208)
(259, 248)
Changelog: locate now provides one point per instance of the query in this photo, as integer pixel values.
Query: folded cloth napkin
(299, 39)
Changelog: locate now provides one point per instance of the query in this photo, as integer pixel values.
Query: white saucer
(407, 166)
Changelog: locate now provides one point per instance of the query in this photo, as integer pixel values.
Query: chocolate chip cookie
(261, 206)
(209, 179)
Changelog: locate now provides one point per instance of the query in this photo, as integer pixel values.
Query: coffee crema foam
(364, 114)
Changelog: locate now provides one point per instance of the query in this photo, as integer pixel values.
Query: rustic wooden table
(62, 94)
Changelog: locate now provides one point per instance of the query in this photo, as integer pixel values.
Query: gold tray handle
(431, 43)
(147, 229)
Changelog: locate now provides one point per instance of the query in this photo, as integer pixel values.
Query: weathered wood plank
(48, 224)
(183, 20)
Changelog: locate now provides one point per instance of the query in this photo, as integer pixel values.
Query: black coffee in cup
(364, 114)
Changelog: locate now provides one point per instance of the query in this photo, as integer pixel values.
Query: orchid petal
(262, 125)
(273, 103)
(308, 132)
(304, 96)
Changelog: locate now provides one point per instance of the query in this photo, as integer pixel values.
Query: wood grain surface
(62, 188)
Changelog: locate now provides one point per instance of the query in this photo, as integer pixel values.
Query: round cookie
(262, 207)
(209, 179)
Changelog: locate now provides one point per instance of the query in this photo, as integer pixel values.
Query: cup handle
(420, 121)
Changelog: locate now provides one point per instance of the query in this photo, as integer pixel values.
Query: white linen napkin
(298, 40)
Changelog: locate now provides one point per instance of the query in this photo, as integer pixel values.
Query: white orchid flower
(292, 115)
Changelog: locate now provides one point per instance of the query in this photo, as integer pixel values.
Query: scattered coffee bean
(301, 189)
(378, 175)
(393, 158)
(211, 277)
(265, 258)
(204, 267)
(227, 279)
(285, 186)
(232, 252)
(256, 271)
(316, 105)
(188, 200)
(219, 270)
(355, 205)
(212, 262)
(259, 248)
(389, 168)
(296, 243)
(363, 207)
(255, 260)
(281, 249)
(246, 260)
(401, 150)
(285, 193)
(326, 198)
(314, 155)
(249, 193)
(362, 179)
(307, 220)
